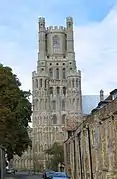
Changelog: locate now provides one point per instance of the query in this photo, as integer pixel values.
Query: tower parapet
(55, 29)
(34, 73)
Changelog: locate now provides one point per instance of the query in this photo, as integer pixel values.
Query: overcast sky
(95, 25)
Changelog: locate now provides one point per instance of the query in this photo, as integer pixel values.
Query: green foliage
(56, 153)
(15, 113)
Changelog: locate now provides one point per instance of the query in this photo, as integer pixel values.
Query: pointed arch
(54, 119)
(40, 82)
(63, 105)
(77, 83)
(63, 118)
(51, 90)
(54, 105)
(64, 90)
(63, 73)
(57, 73)
(51, 72)
(36, 83)
(73, 83)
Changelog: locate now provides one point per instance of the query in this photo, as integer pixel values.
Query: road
(24, 175)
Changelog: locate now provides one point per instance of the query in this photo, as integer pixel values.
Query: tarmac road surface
(24, 175)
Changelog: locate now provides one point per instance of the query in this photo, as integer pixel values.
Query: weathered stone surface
(96, 140)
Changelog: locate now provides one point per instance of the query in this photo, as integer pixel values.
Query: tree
(15, 113)
(56, 153)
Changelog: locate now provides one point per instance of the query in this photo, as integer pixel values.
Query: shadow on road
(24, 175)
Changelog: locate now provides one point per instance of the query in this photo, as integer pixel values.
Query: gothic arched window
(63, 105)
(63, 73)
(57, 73)
(40, 82)
(63, 118)
(54, 105)
(56, 43)
(77, 83)
(54, 119)
(51, 90)
(36, 83)
(51, 72)
(73, 83)
(45, 83)
(64, 90)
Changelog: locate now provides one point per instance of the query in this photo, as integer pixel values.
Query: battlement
(55, 28)
(69, 19)
(41, 19)
(34, 74)
(79, 72)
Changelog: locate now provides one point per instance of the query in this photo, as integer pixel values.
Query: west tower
(56, 86)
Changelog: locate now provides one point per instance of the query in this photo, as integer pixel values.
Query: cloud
(96, 54)
(95, 42)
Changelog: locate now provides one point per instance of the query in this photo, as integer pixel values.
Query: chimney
(101, 95)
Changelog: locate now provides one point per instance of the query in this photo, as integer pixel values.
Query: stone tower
(56, 87)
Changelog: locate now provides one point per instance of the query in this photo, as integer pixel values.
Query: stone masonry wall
(94, 154)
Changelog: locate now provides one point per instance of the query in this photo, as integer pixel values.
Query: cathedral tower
(56, 86)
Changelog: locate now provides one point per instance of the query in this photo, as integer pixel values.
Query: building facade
(91, 150)
(56, 87)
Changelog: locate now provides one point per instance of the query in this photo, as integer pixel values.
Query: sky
(95, 35)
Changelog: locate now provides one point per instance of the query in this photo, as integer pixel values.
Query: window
(50, 72)
(57, 73)
(64, 90)
(63, 73)
(40, 82)
(54, 105)
(56, 43)
(36, 83)
(63, 105)
(58, 90)
(46, 104)
(45, 83)
(41, 104)
(73, 83)
(63, 119)
(73, 100)
(51, 90)
(77, 102)
(76, 83)
(54, 119)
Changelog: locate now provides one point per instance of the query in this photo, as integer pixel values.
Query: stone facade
(25, 162)
(56, 87)
(91, 150)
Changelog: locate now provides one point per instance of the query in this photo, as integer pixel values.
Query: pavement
(24, 175)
